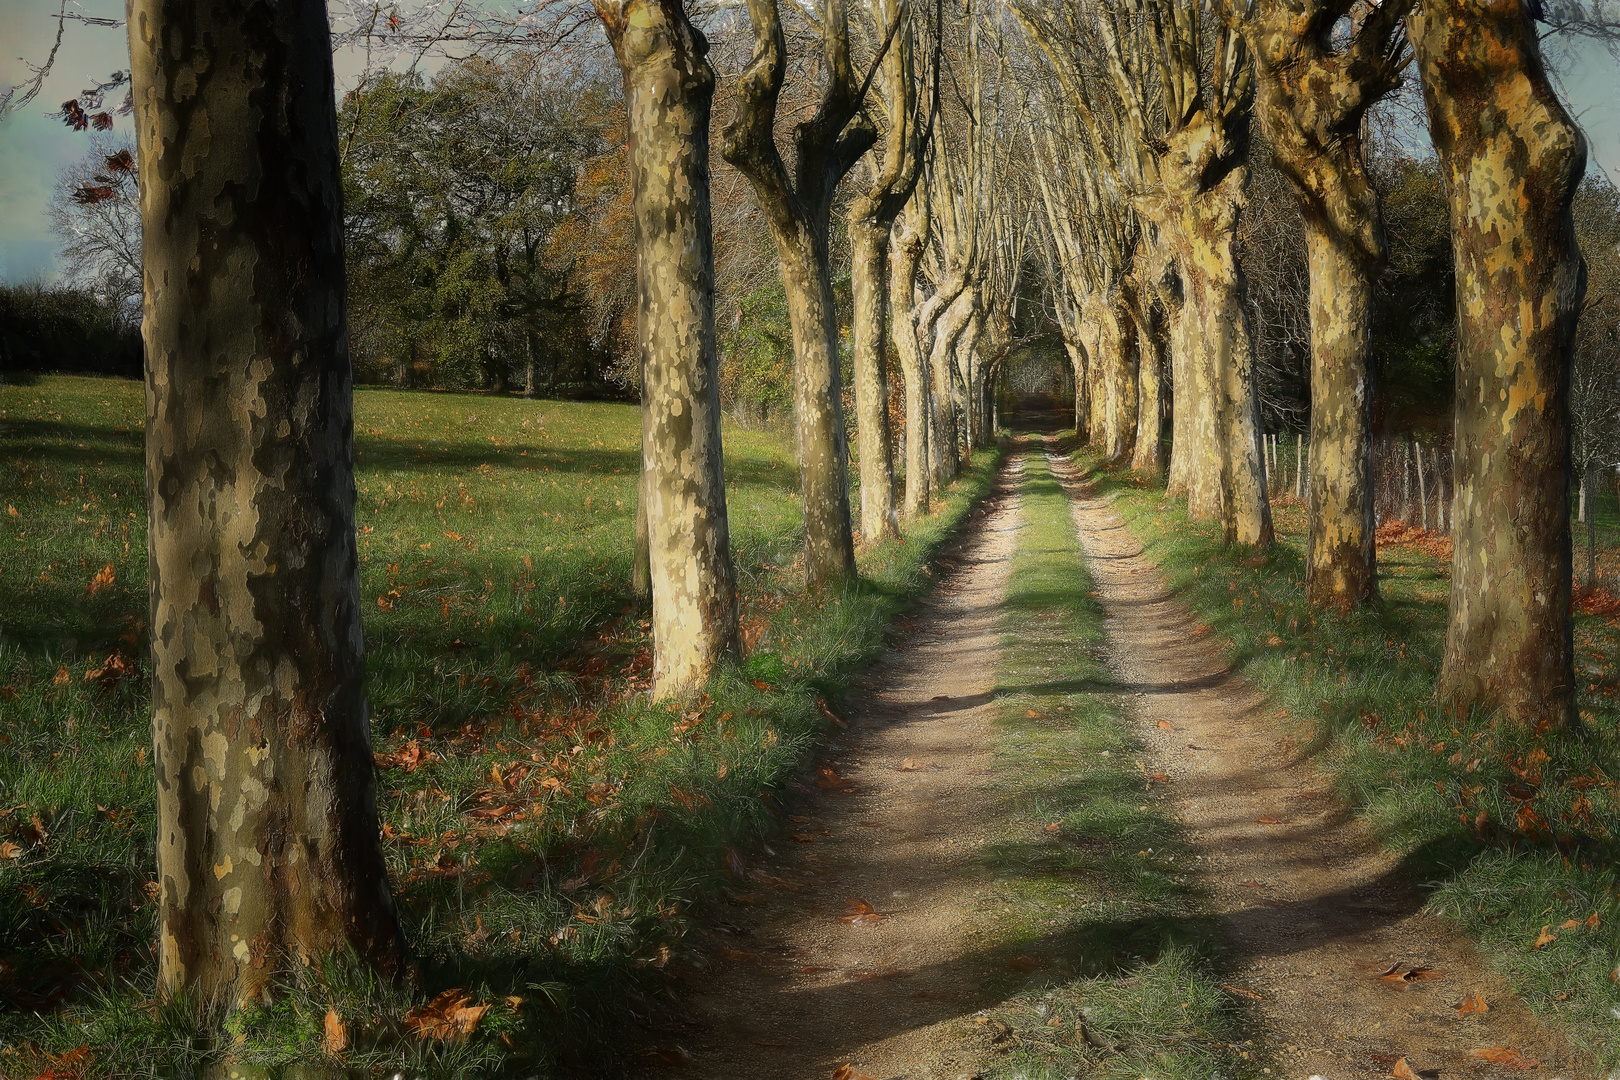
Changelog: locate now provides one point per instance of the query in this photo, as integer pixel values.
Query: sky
(34, 148)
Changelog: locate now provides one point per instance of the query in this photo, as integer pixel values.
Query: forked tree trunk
(267, 849)
(908, 245)
(1512, 159)
(1341, 568)
(668, 87)
(869, 272)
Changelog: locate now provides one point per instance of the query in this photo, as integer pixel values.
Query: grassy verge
(1510, 832)
(1095, 881)
(548, 831)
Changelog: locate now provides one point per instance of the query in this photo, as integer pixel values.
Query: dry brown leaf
(1473, 1003)
(801, 838)
(1159, 777)
(1403, 1071)
(1505, 1056)
(62, 677)
(9, 851)
(1032, 713)
(1593, 922)
(861, 914)
(103, 578)
(761, 684)
(1544, 938)
(741, 956)
(849, 1072)
(1053, 827)
(1240, 992)
(813, 970)
(1167, 725)
(1570, 924)
(1419, 974)
(1267, 821)
(451, 1016)
(827, 778)
(336, 1036)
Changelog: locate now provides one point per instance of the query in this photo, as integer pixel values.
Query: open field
(1513, 836)
(548, 832)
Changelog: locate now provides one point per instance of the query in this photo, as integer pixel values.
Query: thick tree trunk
(1512, 159)
(1341, 569)
(1148, 457)
(268, 855)
(829, 545)
(1119, 366)
(668, 87)
(528, 365)
(969, 376)
(943, 443)
(1082, 399)
(869, 271)
(641, 569)
(908, 244)
(1178, 477)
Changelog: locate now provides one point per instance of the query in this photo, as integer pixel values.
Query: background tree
(1594, 392)
(799, 209)
(1314, 87)
(668, 88)
(96, 212)
(268, 853)
(1512, 159)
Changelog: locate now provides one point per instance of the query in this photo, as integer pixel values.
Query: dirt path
(1314, 911)
(803, 990)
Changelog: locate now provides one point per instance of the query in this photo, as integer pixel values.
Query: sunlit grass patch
(1511, 830)
(548, 830)
(1094, 878)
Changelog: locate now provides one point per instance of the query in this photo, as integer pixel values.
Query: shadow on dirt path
(1315, 912)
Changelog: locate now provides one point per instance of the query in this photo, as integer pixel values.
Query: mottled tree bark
(1512, 159)
(869, 271)
(945, 441)
(1178, 477)
(828, 145)
(267, 846)
(909, 240)
(1313, 94)
(1148, 456)
(668, 88)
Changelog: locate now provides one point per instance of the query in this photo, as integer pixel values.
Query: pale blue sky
(34, 148)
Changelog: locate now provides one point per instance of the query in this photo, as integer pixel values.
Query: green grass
(1507, 831)
(549, 833)
(1107, 900)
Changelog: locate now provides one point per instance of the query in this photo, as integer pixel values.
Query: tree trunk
(908, 244)
(1082, 399)
(668, 87)
(869, 266)
(1178, 479)
(943, 440)
(1512, 159)
(1117, 340)
(1423, 491)
(970, 376)
(267, 851)
(1580, 512)
(1406, 480)
(1148, 457)
(641, 570)
(528, 364)
(1341, 568)
(1591, 526)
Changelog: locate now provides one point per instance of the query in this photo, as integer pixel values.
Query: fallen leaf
(827, 778)
(801, 838)
(849, 1072)
(1403, 1071)
(761, 684)
(1032, 713)
(1544, 938)
(115, 668)
(813, 970)
(1273, 641)
(940, 697)
(336, 1038)
(1054, 827)
(861, 914)
(909, 765)
(1159, 777)
(1473, 1003)
(103, 578)
(1593, 922)
(1250, 884)
(1240, 992)
(1505, 1056)
(62, 677)
(1267, 821)
(741, 956)
(450, 1016)
(1419, 974)
(1570, 924)
(9, 851)
(1167, 725)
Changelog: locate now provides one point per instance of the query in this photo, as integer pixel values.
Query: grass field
(1510, 833)
(549, 833)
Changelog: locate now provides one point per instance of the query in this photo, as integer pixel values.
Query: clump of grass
(548, 830)
(1095, 878)
(1510, 830)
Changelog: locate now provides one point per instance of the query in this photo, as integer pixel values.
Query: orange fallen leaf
(1592, 921)
(801, 838)
(1267, 821)
(1403, 1071)
(336, 1036)
(450, 1016)
(1273, 641)
(1250, 884)
(861, 914)
(1167, 725)
(1544, 938)
(1473, 1003)
(909, 765)
(1570, 924)
(1054, 827)
(9, 851)
(1159, 777)
(760, 684)
(1033, 713)
(1240, 992)
(1505, 1056)
(62, 677)
(103, 578)
(811, 969)
(741, 956)
(827, 778)
(849, 1072)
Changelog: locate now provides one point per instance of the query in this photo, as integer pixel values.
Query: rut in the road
(804, 991)
(1313, 908)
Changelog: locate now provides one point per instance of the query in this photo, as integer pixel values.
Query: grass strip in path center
(1094, 883)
